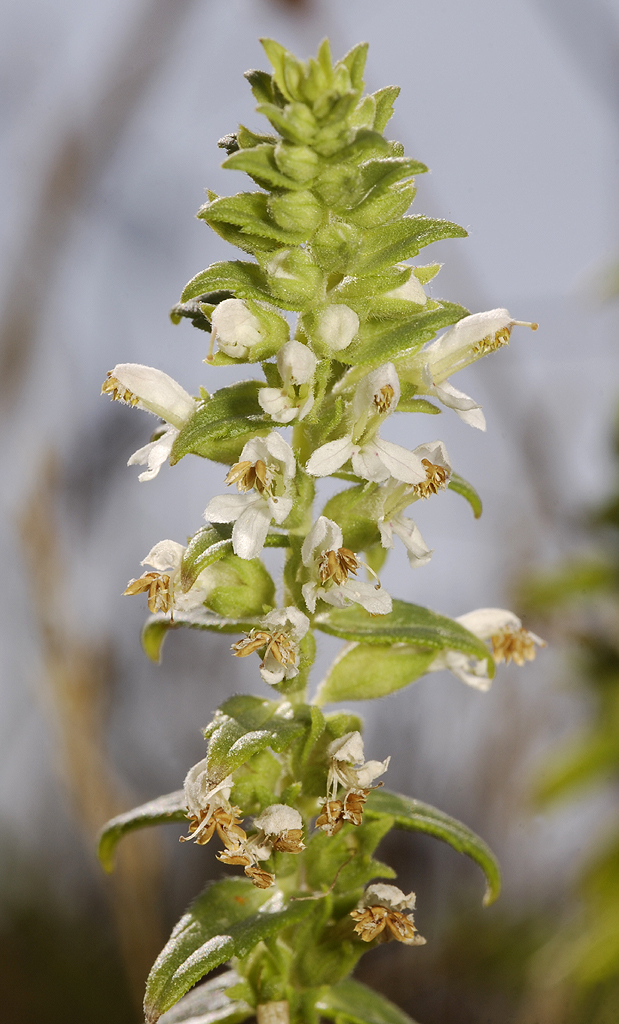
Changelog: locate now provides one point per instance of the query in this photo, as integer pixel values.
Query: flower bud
(294, 278)
(236, 329)
(298, 162)
(335, 328)
(296, 211)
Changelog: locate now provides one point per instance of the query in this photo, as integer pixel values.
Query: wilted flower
(282, 827)
(264, 477)
(332, 570)
(296, 364)
(209, 807)
(279, 635)
(150, 389)
(376, 397)
(386, 906)
(508, 639)
(348, 768)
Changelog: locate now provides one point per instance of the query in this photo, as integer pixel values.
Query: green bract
(340, 333)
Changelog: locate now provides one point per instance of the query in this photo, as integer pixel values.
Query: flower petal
(376, 602)
(250, 530)
(277, 404)
(418, 551)
(158, 393)
(280, 509)
(325, 535)
(296, 363)
(154, 454)
(402, 464)
(167, 554)
(226, 508)
(484, 622)
(330, 457)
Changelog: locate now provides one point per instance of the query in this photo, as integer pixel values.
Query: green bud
(297, 162)
(239, 588)
(296, 211)
(294, 278)
(335, 246)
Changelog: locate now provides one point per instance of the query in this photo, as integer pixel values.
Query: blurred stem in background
(77, 680)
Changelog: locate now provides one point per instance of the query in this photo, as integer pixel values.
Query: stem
(273, 1013)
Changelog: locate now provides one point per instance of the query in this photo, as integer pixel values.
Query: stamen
(436, 479)
(112, 387)
(278, 644)
(383, 398)
(159, 588)
(517, 645)
(494, 341)
(247, 475)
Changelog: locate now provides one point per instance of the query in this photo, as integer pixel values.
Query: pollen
(331, 817)
(383, 399)
(112, 387)
(249, 475)
(260, 878)
(515, 645)
(158, 586)
(278, 644)
(436, 479)
(492, 342)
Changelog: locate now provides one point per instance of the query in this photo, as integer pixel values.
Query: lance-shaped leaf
(379, 341)
(351, 1002)
(384, 100)
(209, 1003)
(222, 424)
(415, 816)
(467, 491)
(157, 627)
(244, 279)
(162, 811)
(362, 672)
(259, 163)
(409, 624)
(227, 920)
(244, 726)
(392, 243)
(249, 212)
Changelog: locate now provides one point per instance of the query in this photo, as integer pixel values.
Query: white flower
(409, 533)
(264, 477)
(164, 585)
(348, 766)
(472, 337)
(235, 328)
(376, 397)
(296, 365)
(332, 570)
(337, 326)
(278, 818)
(509, 641)
(150, 389)
(388, 896)
(410, 291)
(280, 632)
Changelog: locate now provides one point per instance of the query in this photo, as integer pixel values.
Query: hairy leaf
(227, 920)
(246, 280)
(209, 1004)
(379, 340)
(415, 816)
(157, 627)
(351, 1002)
(222, 424)
(162, 811)
(362, 671)
(464, 488)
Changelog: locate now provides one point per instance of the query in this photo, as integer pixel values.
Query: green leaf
(384, 98)
(418, 405)
(162, 811)
(355, 62)
(407, 624)
(222, 424)
(463, 487)
(389, 170)
(228, 919)
(351, 1002)
(259, 163)
(249, 212)
(246, 280)
(243, 727)
(379, 340)
(347, 855)
(157, 627)
(415, 816)
(261, 83)
(392, 243)
(361, 671)
(205, 547)
(209, 1004)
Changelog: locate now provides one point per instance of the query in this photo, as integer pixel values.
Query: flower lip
(155, 392)
(278, 818)
(389, 896)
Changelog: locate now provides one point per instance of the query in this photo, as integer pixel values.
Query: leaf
(228, 919)
(361, 671)
(244, 726)
(379, 341)
(415, 816)
(205, 547)
(351, 1002)
(384, 98)
(464, 488)
(392, 243)
(249, 212)
(407, 624)
(209, 1004)
(259, 163)
(246, 280)
(157, 627)
(222, 424)
(162, 811)
(389, 170)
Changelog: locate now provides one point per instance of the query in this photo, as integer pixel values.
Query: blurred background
(110, 114)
